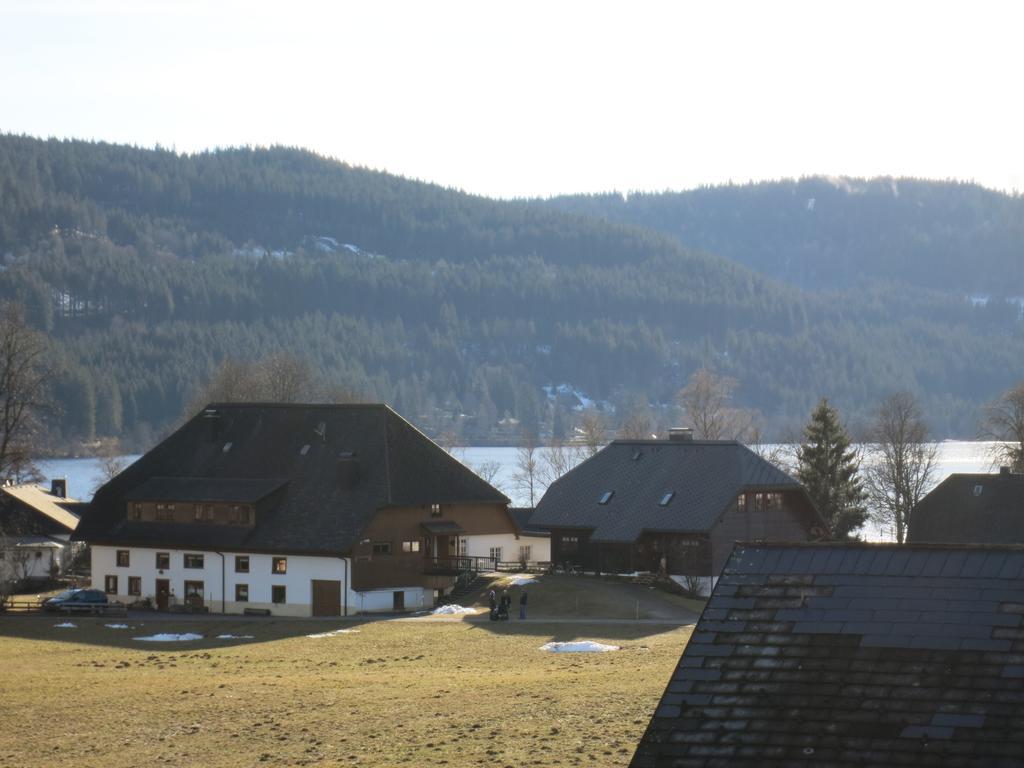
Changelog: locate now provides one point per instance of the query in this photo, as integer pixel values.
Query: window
(241, 593)
(382, 547)
(666, 499)
(463, 546)
(134, 585)
(570, 543)
(495, 554)
(163, 560)
(741, 503)
(765, 502)
(194, 593)
(193, 561)
(239, 515)
(241, 563)
(279, 565)
(110, 585)
(978, 490)
(278, 594)
(606, 497)
(525, 553)
(122, 558)
(165, 512)
(435, 510)
(136, 512)
(411, 546)
(203, 513)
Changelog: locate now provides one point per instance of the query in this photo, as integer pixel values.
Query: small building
(36, 526)
(851, 655)
(971, 509)
(528, 545)
(672, 506)
(296, 509)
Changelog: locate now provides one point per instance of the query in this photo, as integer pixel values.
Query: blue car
(77, 600)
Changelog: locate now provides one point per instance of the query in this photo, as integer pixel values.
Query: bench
(256, 612)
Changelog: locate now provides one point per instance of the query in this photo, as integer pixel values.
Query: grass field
(454, 693)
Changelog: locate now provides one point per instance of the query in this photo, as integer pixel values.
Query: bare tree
(557, 458)
(527, 476)
(706, 401)
(15, 566)
(112, 463)
(24, 383)
(902, 464)
(489, 471)
(284, 378)
(1003, 421)
(591, 430)
(636, 426)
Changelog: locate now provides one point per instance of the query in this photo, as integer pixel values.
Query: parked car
(77, 600)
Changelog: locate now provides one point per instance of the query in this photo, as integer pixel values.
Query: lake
(84, 474)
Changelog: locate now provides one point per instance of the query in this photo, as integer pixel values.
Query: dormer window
(666, 499)
(978, 490)
(136, 511)
(606, 497)
(227, 447)
(741, 503)
(239, 514)
(203, 513)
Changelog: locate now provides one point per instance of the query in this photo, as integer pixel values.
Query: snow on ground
(580, 646)
(170, 637)
(66, 625)
(452, 610)
(116, 626)
(236, 637)
(334, 632)
(521, 580)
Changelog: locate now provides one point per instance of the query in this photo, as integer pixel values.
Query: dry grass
(396, 693)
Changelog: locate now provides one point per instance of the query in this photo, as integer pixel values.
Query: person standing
(522, 605)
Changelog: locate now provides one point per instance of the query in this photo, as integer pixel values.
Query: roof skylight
(227, 447)
(666, 499)
(304, 450)
(606, 497)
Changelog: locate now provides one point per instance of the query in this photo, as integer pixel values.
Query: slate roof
(250, 448)
(851, 655)
(705, 475)
(971, 508)
(204, 489)
(521, 517)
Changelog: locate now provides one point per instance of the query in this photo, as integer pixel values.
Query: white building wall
(302, 571)
(480, 546)
(36, 565)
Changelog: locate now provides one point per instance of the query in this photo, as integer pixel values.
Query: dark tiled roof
(212, 489)
(705, 477)
(316, 510)
(521, 516)
(972, 509)
(851, 655)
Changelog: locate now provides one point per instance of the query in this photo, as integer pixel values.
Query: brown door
(326, 598)
(163, 594)
(398, 600)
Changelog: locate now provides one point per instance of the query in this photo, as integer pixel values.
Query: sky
(537, 98)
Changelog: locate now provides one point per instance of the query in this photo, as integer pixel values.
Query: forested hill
(827, 233)
(148, 268)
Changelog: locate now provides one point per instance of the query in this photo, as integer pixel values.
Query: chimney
(215, 423)
(681, 434)
(348, 470)
(59, 487)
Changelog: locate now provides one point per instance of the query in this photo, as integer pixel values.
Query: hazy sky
(538, 98)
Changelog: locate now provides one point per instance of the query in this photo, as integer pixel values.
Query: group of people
(500, 608)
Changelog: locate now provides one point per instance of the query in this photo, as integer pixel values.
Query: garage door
(326, 598)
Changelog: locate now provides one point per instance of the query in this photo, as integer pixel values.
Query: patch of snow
(334, 632)
(580, 646)
(170, 637)
(116, 626)
(66, 625)
(452, 610)
(521, 580)
(236, 637)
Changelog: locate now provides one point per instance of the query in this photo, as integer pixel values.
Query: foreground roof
(704, 475)
(290, 457)
(972, 509)
(45, 503)
(851, 655)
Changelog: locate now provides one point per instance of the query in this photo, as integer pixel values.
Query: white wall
(480, 546)
(302, 570)
(37, 566)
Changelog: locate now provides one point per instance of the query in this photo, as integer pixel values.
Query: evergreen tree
(827, 466)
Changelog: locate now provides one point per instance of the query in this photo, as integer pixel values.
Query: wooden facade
(404, 545)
